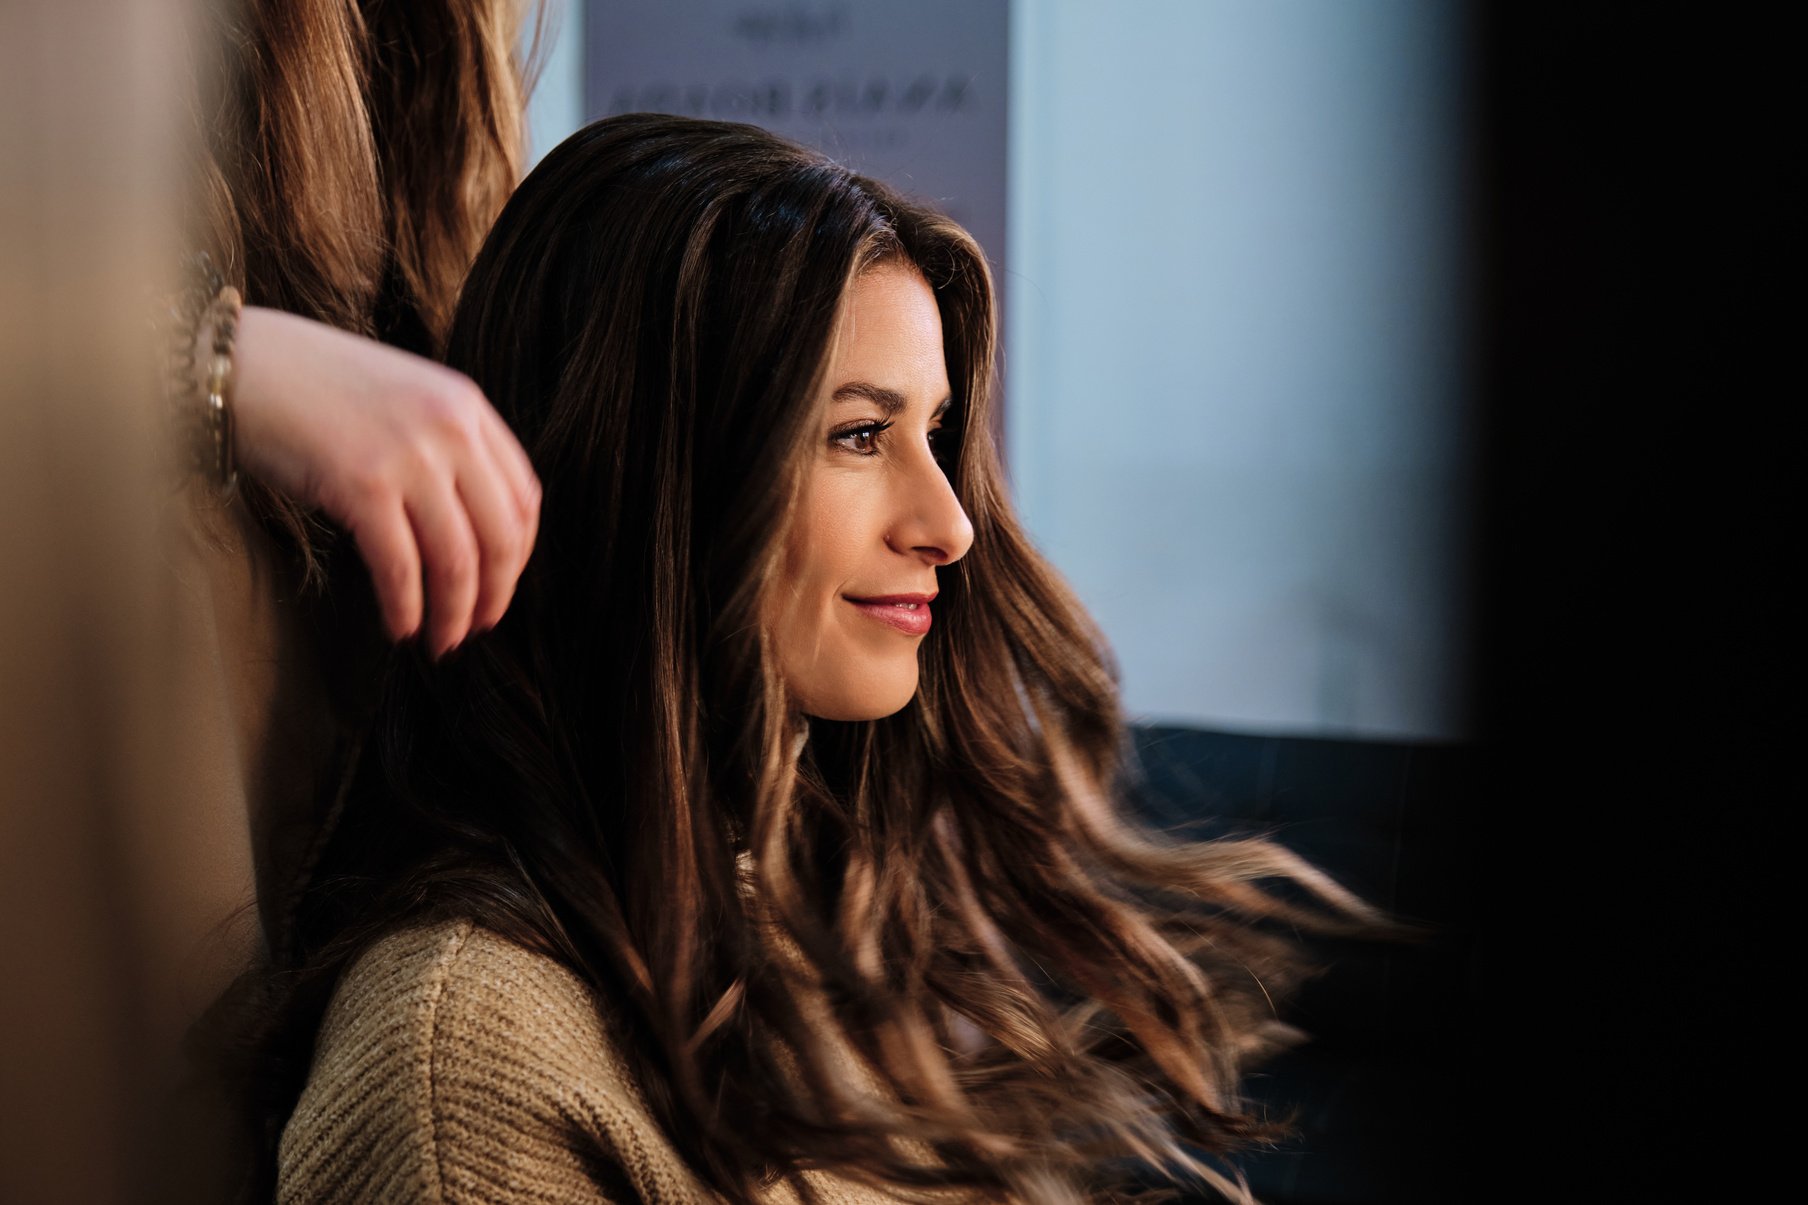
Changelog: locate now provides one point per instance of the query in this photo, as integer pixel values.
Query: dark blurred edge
(1638, 347)
(1605, 1022)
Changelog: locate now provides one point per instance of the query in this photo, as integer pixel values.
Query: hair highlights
(353, 155)
(947, 901)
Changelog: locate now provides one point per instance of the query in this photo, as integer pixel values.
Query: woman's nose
(931, 523)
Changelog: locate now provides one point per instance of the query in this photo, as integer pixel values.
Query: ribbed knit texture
(455, 1066)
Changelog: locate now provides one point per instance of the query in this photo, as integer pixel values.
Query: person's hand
(405, 454)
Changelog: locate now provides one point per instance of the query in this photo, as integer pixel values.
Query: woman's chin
(870, 698)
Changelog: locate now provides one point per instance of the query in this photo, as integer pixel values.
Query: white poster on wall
(913, 94)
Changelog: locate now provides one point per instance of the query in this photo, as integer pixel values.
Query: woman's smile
(909, 613)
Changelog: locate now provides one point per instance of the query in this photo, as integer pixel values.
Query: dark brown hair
(951, 895)
(352, 155)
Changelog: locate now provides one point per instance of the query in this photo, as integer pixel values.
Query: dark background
(1638, 664)
(1603, 1017)
(1636, 657)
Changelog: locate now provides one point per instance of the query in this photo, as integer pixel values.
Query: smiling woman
(769, 848)
(877, 517)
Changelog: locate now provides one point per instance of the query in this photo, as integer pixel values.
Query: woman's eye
(862, 440)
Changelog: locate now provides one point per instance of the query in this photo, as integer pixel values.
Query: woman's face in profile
(877, 516)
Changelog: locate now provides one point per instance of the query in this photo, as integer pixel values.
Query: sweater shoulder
(453, 1065)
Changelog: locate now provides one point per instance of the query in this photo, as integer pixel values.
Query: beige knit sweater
(455, 1066)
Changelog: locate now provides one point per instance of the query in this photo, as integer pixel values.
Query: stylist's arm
(403, 453)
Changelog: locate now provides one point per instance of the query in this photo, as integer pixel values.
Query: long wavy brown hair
(953, 896)
(350, 157)
(356, 152)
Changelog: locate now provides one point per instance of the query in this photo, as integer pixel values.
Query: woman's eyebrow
(888, 400)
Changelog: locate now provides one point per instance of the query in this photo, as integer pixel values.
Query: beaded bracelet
(223, 318)
(205, 298)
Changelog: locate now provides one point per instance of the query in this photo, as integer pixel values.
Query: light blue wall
(556, 108)
(1235, 350)
(1235, 346)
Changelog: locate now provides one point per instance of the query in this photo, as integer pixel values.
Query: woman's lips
(909, 613)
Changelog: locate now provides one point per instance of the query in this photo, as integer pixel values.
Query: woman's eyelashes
(862, 439)
(869, 439)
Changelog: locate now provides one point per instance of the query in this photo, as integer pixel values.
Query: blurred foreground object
(115, 789)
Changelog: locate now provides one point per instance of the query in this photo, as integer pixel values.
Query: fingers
(449, 559)
(523, 487)
(473, 504)
(456, 536)
(406, 454)
(503, 535)
(516, 467)
(386, 542)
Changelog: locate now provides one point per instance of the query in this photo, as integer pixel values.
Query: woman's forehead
(888, 343)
